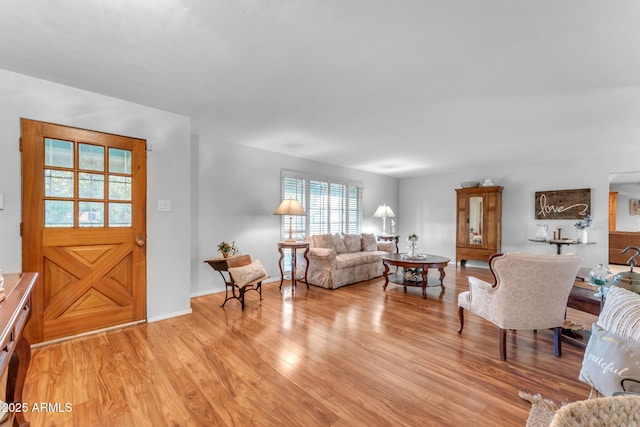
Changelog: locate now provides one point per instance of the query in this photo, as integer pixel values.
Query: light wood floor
(356, 356)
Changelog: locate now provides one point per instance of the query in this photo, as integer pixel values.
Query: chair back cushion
(532, 290)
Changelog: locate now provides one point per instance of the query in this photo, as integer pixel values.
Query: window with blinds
(331, 206)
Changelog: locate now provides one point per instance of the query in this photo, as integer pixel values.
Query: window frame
(321, 215)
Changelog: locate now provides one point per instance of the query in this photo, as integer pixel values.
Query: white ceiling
(402, 88)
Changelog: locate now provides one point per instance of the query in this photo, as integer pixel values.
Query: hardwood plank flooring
(355, 356)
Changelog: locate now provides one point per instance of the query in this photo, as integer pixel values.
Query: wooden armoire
(479, 223)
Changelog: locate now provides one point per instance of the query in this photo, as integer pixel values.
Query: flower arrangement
(584, 223)
(224, 248)
(412, 237)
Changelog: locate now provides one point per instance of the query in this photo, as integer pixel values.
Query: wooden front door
(83, 228)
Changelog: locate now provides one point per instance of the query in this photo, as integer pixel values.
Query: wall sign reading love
(563, 204)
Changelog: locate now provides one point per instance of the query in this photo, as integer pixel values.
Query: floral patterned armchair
(530, 292)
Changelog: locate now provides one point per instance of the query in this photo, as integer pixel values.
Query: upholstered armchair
(530, 291)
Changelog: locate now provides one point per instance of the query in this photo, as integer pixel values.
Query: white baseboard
(169, 315)
(207, 292)
(218, 290)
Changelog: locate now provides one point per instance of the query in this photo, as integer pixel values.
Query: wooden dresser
(15, 356)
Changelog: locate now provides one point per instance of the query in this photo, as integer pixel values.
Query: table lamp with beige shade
(290, 208)
(384, 212)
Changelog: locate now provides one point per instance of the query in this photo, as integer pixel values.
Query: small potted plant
(582, 226)
(224, 248)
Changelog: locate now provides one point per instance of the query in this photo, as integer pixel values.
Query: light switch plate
(164, 205)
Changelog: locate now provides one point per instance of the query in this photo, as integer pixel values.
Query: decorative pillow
(339, 243)
(621, 313)
(324, 241)
(608, 359)
(369, 243)
(352, 242)
(245, 274)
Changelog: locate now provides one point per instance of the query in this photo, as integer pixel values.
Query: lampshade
(384, 211)
(289, 207)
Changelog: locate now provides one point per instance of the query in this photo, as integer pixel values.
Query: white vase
(412, 250)
(584, 238)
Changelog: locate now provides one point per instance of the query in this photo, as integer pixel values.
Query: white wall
(432, 203)
(168, 244)
(239, 188)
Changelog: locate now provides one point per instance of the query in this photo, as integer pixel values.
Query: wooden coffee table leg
(442, 274)
(386, 276)
(425, 273)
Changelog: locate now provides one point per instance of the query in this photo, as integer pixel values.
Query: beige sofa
(337, 260)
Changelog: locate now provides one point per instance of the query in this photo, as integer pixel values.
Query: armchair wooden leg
(557, 341)
(461, 317)
(503, 344)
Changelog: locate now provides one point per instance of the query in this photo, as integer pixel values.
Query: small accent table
(390, 238)
(222, 265)
(293, 247)
(560, 242)
(424, 262)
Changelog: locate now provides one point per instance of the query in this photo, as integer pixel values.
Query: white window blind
(331, 206)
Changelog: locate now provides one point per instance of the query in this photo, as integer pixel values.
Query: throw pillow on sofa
(339, 243)
(324, 241)
(352, 242)
(369, 243)
(621, 313)
(608, 359)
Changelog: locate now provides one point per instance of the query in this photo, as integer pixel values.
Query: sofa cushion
(352, 242)
(324, 241)
(369, 243)
(339, 243)
(608, 359)
(245, 274)
(621, 313)
(353, 259)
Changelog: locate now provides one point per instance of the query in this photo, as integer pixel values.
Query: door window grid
(76, 198)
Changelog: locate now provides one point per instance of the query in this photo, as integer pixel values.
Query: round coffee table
(423, 262)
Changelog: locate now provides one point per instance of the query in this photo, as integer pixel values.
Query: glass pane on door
(91, 157)
(58, 153)
(120, 214)
(90, 214)
(119, 161)
(90, 185)
(58, 213)
(119, 187)
(58, 183)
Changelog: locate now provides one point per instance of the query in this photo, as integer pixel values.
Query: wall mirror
(624, 217)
